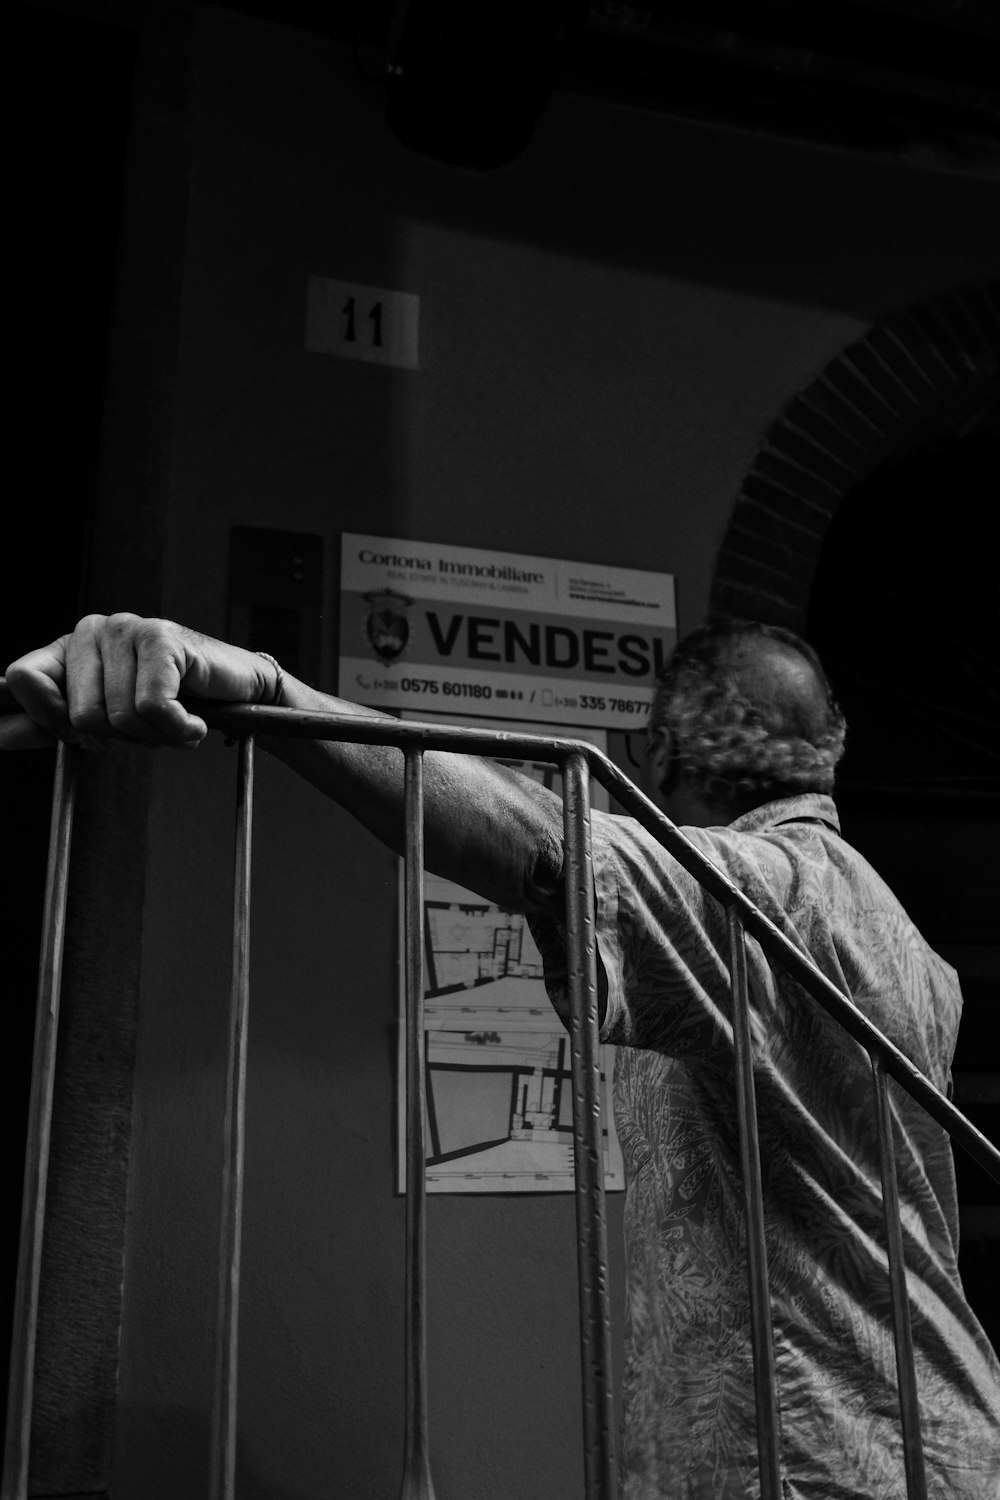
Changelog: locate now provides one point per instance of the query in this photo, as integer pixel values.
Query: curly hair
(751, 715)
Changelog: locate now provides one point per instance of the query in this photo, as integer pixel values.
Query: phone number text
(446, 689)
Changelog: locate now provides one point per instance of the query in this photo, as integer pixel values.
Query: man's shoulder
(778, 844)
(815, 809)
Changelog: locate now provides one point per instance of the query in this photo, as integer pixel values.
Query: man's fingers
(36, 682)
(121, 677)
(170, 723)
(124, 675)
(84, 687)
(160, 667)
(159, 672)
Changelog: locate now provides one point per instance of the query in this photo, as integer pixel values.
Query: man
(743, 742)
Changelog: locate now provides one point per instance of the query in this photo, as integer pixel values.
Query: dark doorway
(904, 612)
(66, 109)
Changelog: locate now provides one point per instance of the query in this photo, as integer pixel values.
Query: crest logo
(387, 626)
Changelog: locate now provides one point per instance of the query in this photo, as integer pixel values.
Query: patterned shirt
(688, 1430)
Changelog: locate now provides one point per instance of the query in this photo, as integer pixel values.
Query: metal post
(417, 1484)
(909, 1404)
(36, 1156)
(592, 1255)
(222, 1478)
(761, 1333)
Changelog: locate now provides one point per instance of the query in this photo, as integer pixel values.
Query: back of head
(751, 716)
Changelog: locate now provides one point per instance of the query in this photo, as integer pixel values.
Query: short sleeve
(548, 929)
(661, 943)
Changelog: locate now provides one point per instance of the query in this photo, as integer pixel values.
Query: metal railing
(578, 762)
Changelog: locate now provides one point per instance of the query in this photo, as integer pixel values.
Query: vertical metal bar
(36, 1157)
(417, 1484)
(222, 1476)
(909, 1404)
(761, 1333)
(588, 1147)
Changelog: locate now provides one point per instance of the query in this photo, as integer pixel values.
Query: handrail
(258, 719)
(579, 761)
(36, 1153)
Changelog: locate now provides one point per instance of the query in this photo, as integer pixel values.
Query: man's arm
(123, 677)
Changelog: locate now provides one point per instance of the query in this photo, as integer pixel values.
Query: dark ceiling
(917, 79)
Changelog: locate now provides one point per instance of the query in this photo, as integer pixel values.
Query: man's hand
(121, 677)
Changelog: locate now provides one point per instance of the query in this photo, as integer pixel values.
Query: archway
(923, 375)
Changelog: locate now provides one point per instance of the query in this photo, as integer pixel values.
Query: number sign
(369, 323)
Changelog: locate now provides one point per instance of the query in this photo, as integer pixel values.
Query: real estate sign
(458, 630)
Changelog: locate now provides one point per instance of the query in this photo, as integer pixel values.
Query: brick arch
(924, 373)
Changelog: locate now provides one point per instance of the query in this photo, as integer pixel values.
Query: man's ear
(660, 766)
